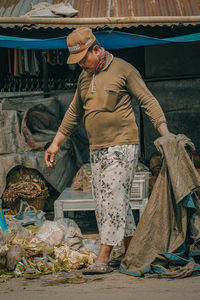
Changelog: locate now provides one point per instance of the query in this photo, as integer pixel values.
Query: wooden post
(102, 20)
(142, 147)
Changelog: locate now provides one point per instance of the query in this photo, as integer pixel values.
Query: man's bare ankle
(103, 260)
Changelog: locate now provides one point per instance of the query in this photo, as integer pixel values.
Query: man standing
(103, 99)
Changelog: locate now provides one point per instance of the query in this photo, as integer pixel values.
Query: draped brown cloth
(164, 226)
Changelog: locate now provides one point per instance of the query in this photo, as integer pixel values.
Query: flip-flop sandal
(98, 268)
(115, 263)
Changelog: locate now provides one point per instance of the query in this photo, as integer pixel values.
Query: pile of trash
(54, 246)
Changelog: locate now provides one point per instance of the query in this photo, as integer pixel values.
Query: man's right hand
(53, 149)
(50, 154)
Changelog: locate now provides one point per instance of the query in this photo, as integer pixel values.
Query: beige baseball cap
(78, 43)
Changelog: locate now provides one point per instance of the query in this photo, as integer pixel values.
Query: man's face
(90, 61)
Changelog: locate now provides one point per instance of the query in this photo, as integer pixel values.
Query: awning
(108, 40)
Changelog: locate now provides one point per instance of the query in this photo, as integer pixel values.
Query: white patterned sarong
(113, 170)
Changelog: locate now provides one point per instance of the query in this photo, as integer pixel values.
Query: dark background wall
(172, 73)
(172, 60)
(180, 100)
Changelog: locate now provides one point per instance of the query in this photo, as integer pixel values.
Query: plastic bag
(15, 231)
(73, 235)
(82, 180)
(60, 231)
(14, 255)
(51, 232)
(72, 259)
(92, 244)
(30, 215)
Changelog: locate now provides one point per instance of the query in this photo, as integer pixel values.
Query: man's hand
(53, 149)
(50, 154)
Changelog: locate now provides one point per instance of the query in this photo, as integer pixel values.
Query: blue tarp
(108, 40)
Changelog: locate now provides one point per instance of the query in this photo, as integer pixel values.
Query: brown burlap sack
(163, 225)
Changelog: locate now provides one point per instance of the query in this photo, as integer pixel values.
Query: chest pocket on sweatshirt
(110, 99)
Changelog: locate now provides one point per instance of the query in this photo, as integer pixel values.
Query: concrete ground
(113, 286)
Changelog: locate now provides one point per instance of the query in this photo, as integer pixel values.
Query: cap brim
(76, 57)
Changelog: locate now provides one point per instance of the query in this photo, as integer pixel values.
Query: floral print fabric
(113, 170)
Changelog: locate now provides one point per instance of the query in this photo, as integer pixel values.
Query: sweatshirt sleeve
(137, 88)
(72, 116)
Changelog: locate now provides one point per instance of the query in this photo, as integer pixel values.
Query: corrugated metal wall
(109, 8)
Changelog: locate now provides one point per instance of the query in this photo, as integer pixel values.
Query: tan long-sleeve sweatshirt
(104, 102)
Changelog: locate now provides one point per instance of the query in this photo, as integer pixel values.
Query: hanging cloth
(26, 66)
(9, 61)
(16, 70)
(20, 62)
(34, 64)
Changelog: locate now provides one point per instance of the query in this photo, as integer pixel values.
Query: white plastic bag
(51, 232)
(73, 235)
(15, 231)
